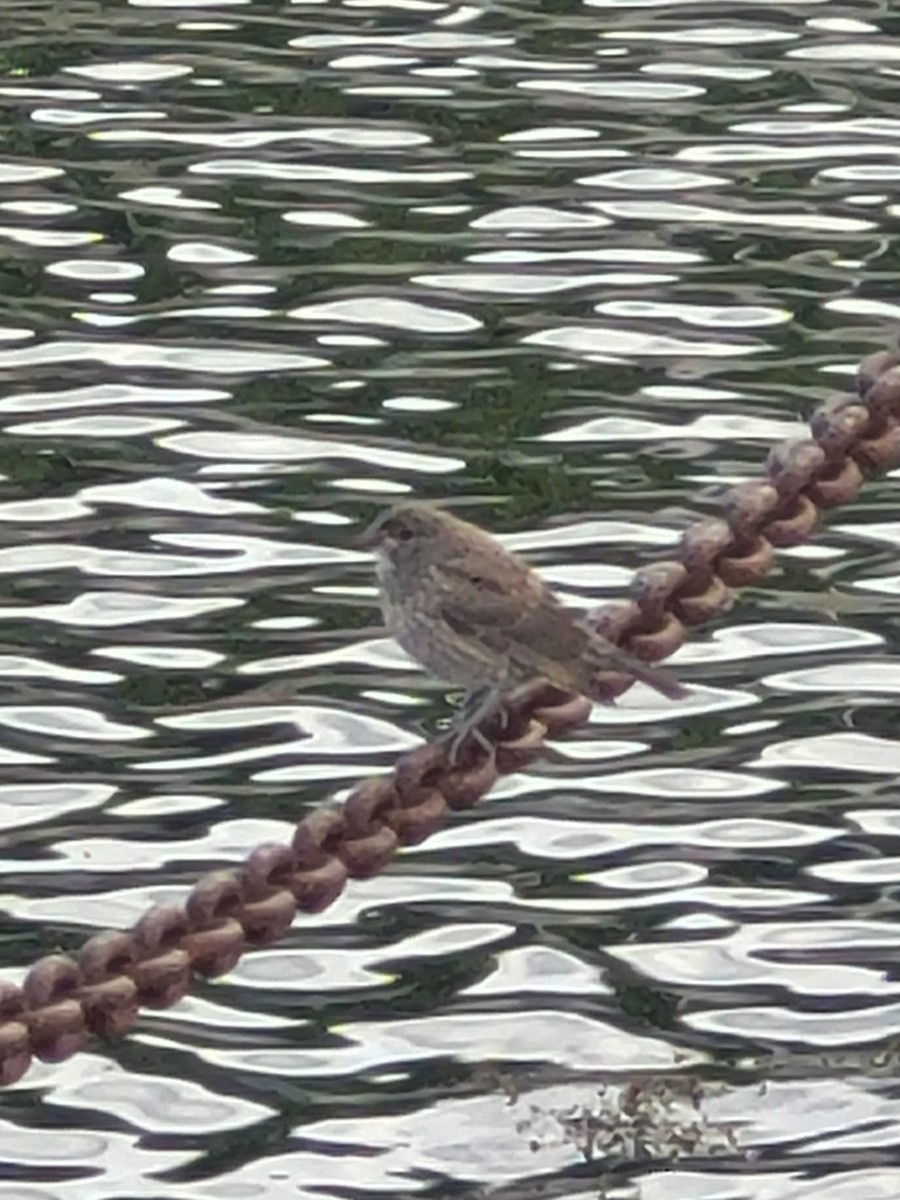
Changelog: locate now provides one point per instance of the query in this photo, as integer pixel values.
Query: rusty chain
(64, 1001)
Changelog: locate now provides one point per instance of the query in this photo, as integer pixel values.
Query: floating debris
(652, 1119)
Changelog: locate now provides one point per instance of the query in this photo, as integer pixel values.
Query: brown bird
(476, 615)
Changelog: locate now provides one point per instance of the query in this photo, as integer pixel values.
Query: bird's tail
(629, 664)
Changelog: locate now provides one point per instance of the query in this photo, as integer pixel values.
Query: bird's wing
(512, 613)
(516, 608)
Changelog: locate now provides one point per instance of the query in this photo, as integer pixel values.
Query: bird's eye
(404, 533)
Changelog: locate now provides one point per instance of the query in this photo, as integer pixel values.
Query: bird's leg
(481, 702)
(478, 704)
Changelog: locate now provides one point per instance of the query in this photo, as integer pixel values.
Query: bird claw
(477, 708)
(459, 739)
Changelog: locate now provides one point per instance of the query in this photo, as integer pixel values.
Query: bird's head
(405, 533)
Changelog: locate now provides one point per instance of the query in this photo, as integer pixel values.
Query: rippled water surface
(574, 267)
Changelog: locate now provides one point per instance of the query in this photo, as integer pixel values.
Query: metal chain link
(64, 1001)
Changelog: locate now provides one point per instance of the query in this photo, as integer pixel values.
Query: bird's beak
(370, 536)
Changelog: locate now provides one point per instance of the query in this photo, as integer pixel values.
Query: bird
(477, 616)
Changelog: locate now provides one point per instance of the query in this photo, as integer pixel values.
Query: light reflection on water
(574, 268)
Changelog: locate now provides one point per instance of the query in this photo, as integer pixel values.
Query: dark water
(575, 267)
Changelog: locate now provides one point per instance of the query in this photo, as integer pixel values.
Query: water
(575, 267)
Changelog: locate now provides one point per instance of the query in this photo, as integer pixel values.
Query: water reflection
(573, 268)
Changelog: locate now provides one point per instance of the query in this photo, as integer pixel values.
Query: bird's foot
(478, 705)
(459, 738)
